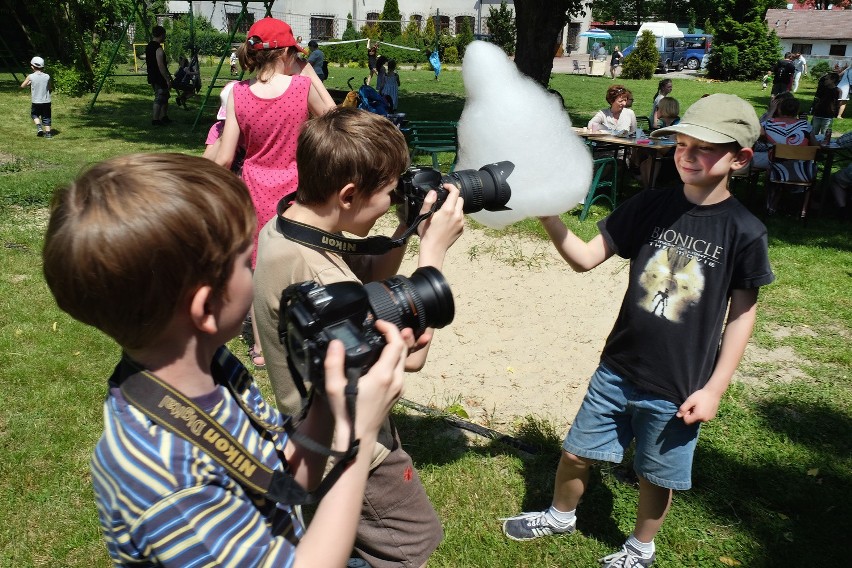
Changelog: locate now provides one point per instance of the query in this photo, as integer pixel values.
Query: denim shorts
(615, 412)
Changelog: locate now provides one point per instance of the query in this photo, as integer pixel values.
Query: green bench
(432, 137)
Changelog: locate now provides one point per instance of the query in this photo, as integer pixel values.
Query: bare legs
(572, 477)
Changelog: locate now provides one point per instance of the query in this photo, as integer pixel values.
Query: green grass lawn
(773, 475)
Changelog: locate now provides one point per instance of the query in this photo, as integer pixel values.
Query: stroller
(366, 98)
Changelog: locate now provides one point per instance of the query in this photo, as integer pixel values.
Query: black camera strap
(332, 242)
(178, 414)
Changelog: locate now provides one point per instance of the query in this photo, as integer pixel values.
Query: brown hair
(348, 145)
(264, 60)
(132, 237)
(789, 107)
(615, 92)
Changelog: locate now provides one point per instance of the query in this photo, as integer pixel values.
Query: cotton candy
(508, 116)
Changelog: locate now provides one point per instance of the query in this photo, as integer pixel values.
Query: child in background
(41, 85)
(684, 323)
(767, 78)
(214, 134)
(268, 111)
(390, 90)
(381, 73)
(163, 498)
(184, 82)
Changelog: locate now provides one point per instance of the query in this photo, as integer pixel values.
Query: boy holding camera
(171, 286)
(361, 156)
(696, 255)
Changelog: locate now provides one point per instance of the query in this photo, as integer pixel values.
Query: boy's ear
(202, 310)
(346, 196)
(742, 158)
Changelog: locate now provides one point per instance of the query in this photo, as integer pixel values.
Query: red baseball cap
(273, 34)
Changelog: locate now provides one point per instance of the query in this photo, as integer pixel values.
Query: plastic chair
(792, 166)
(598, 182)
(578, 67)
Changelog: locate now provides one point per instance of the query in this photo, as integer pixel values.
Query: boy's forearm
(741, 317)
(580, 255)
(307, 466)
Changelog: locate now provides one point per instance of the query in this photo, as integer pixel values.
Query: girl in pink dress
(268, 111)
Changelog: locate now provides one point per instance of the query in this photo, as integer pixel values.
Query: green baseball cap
(718, 119)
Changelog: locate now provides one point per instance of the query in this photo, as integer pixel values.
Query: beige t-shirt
(281, 262)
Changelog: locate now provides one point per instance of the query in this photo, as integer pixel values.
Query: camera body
(313, 315)
(485, 188)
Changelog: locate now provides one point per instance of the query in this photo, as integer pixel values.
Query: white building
(325, 19)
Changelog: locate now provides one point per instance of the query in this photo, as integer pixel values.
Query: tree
(742, 50)
(539, 25)
(501, 24)
(642, 61)
(464, 37)
(390, 25)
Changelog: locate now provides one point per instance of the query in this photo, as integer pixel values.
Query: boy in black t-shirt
(696, 254)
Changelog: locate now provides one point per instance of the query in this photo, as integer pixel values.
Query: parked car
(670, 44)
(697, 46)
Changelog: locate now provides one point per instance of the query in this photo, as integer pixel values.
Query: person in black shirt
(158, 76)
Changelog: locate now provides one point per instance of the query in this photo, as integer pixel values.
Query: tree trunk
(539, 23)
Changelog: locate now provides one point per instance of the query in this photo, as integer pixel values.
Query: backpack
(324, 69)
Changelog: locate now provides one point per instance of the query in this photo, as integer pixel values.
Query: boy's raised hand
(442, 229)
(378, 389)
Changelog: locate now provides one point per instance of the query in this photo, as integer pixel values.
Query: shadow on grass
(778, 476)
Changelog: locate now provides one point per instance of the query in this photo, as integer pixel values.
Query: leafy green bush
(464, 37)
(451, 54)
(742, 51)
(501, 24)
(819, 68)
(71, 81)
(643, 60)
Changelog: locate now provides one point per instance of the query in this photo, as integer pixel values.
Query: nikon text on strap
(181, 416)
(332, 242)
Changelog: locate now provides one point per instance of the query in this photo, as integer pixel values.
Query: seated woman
(617, 117)
(668, 113)
(782, 126)
(785, 128)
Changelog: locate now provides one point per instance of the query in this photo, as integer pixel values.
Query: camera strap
(178, 414)
(332, 242)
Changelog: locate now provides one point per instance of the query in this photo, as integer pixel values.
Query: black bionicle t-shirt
(685, 260)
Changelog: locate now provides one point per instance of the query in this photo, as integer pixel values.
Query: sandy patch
(527, 333)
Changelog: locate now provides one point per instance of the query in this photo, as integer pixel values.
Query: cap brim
(700, 132)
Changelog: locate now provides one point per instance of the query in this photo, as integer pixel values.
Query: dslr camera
(313, 315)
(485, 188)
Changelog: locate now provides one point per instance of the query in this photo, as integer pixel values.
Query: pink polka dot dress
(270, 128)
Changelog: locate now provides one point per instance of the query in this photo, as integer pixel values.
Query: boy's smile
(701, 163)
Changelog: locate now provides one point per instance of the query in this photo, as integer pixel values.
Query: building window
(245, 24)
(322, 27)
(803, 48)
(837, 49)
(418, 19)
(372, 18)
(460, 20)
(442, 25)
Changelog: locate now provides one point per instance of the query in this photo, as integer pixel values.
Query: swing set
(139, 7)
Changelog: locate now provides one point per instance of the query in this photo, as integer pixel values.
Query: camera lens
(485, 188)
(421, 301)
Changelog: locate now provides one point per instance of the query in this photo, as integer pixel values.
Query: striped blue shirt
(164, 502)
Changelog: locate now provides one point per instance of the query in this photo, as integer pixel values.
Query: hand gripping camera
(313, 315)
(485, 188)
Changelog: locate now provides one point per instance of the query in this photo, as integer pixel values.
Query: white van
(670, 44)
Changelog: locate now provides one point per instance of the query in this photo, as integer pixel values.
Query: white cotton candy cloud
(508, 116)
